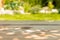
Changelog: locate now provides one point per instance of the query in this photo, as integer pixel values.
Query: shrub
(35, 9)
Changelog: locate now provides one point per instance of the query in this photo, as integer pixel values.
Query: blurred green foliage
(50, 4)
(32, 6)
(12, 4)
(32, 2)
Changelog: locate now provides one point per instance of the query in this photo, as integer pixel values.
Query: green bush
(35, 9)
(12, 4)
(27, 7)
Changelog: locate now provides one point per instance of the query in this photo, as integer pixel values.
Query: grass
(30, 17)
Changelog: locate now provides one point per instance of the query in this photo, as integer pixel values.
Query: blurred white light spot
(27, 37)
(10, 33)
(29, 31)
(10, 12)
(34, 36)
(40, 38)
(54, 31)
(54, 10)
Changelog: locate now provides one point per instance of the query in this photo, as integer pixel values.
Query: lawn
(30, 17)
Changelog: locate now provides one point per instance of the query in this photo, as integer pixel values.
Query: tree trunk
(1, 4)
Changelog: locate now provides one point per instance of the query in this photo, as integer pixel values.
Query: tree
(57, 3)
(50, 4)
(1, 3)
(12, 4)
